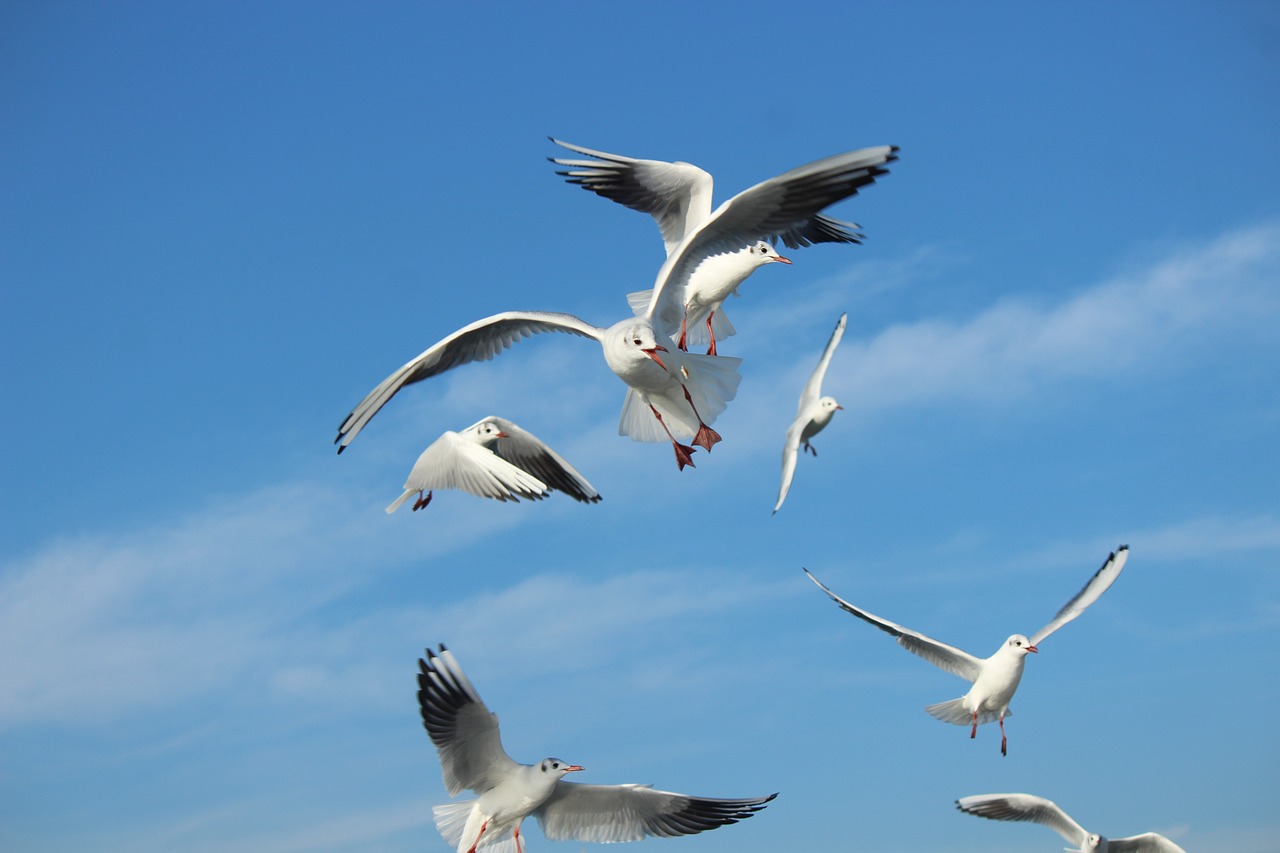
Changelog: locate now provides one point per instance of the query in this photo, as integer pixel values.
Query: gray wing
(813, 388)
(1097, 585)
(949, 658)
(677, 195)
(779, 208)
(526, 451)
(612, 813)
(1024, 807)
(462, 728)
(480, 341)
(1147, 842)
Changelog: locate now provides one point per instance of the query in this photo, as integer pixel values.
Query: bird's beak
(1032, 649)
(503, 435)
(839, 407)
(782, 260)
(573, 768)
(653, 354)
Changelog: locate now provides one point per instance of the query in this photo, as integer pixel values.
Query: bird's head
(829, 404)
(1019, 645)
(1094, 843)
(763, 253)
(557, 767)
(487, 432)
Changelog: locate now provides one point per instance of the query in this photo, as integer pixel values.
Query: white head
(763, 253)
(556, 768)
(829, 404)
(1093, 843)
(485, 433)
(1019, 645)
(633, 339)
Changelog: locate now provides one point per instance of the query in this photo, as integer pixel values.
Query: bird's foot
(684, 455)
(1004, 745)
(809, 448)
(706, 437)
(421, 502)
(711, 350)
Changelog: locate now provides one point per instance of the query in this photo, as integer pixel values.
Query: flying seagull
(678, 197)
(493, 458)
(996, 678)
(465, 733)
(812, 415)
(1040, 810)
(670, 394)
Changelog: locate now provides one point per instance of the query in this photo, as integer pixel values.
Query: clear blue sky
(223, 223)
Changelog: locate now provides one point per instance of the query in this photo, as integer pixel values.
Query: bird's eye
(636, 342)
(555, 765)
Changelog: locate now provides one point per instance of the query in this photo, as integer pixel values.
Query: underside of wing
(462, 728)
(949, 658)
(1024, 807)
(479, 341)
(614, 813)
(1093, 590)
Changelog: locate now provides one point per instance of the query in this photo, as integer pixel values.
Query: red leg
(684, 453)
(479, 835)
(1004, 742)
(706, 436)
(681, 343)
(711, 350)
(421, 501)
(973, 733)
(519, 843)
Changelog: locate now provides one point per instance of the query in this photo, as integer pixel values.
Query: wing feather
(949, 658)
(1024, 807)
(1093, 590)
(526, 451)
(613, 813)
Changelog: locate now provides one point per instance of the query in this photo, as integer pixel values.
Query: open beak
(1032, 649)
(653, 354)
(573, 768)
(502, 434)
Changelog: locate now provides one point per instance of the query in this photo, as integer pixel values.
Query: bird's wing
(813, 388)
(526, 451)
(464, 731)
(790, 452)
(953, 660)
(453, 462)
(1024, 807)
(480, 341)
(611, 813)
(1097, 585)
(779, 208)
(677, 195)
(1147, 842)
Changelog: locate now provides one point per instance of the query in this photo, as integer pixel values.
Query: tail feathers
(713, 382)
(956, 713)
(639, 301)
(395, 504)
(452, 818)
(696, 327)
(638, 421)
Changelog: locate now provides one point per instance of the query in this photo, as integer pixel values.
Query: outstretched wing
(677, 195)
(462, 728)
(779, 207)
(953, 660)
(790, 453)
(528, 452)
(480, 341)
(1147, 842)
(612, 813)
(453, 462)
(1024, 807)
(813, 388)
(1097, 585)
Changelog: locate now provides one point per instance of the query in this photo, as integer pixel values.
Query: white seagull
(678, 197)
(670, 395)
(493, 458)
(812, 415)
(466, 735)
(1040, 810)
(995, 679)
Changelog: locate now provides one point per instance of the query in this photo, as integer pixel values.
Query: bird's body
(466, 735)
(679, 197)
(1028, 807)
(995, 679)
(493, 458)
(813, 413)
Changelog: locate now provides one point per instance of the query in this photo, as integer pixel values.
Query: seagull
(493, 458)
(670, 393)
(995, 679)
(678, 197)
(465, 733)
(1040, 810)
(812, 415)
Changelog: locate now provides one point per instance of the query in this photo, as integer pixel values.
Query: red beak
(782, 260)
(503, 435)
(653, 354)
(1032, 649)
(573, 768)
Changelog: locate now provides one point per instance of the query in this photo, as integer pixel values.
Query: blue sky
(224, 223)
